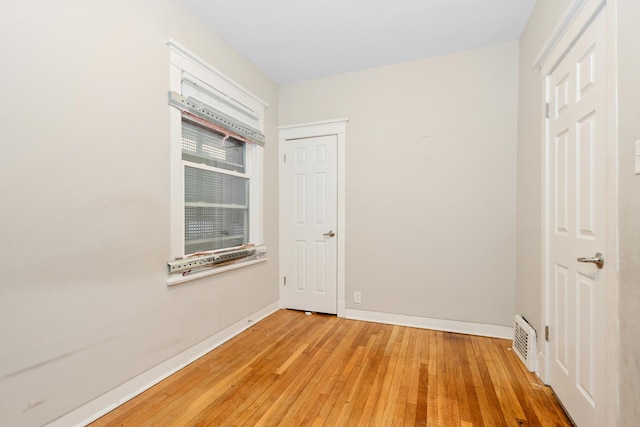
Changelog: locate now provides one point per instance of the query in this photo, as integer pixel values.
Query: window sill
(177, 278)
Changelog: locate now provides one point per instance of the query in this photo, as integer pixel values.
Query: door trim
(572, 14)
(310, 130)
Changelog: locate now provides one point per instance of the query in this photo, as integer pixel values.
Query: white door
(576, 201)
(310, 208)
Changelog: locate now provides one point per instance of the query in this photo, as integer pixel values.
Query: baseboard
(105, 403)
(481, 329)
(342, 308)
(541, 371)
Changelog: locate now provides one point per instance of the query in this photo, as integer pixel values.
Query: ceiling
(297, 40)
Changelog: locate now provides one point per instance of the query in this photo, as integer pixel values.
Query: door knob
(329, 234)
(598, 260)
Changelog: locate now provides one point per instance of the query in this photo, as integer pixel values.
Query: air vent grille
(524, 342)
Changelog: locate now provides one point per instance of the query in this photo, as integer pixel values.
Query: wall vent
(524, 342)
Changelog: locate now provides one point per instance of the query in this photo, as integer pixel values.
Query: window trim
(176, 279)
(182, 60)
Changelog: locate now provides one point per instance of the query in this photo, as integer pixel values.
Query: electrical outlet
(357, 297)
(637, 157)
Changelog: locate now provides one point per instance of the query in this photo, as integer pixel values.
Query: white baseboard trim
(105, 403)
(541, 371)
(342, 308)
(481, 329)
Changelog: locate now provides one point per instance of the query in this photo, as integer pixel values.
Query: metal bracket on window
(210, 260)
(192, 107)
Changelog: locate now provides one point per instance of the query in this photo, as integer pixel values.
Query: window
(216, 170)
(216, 190)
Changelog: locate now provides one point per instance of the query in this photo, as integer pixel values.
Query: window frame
(182, 61)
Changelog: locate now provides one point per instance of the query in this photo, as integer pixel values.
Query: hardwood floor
(292, 369)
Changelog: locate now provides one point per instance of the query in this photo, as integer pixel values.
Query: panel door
(576, 147)
(310, 247)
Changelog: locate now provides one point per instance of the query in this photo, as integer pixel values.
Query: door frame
(579, 15)
(287, 133)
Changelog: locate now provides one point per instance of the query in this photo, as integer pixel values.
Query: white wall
(628, 36)
(84, 220)
(430, 182)
(530, 157)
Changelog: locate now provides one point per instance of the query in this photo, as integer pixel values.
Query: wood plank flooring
(293, 369)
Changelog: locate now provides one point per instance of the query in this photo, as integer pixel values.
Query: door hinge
(546, 333)
(285, 280)
(546, 110)
(285, 158)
